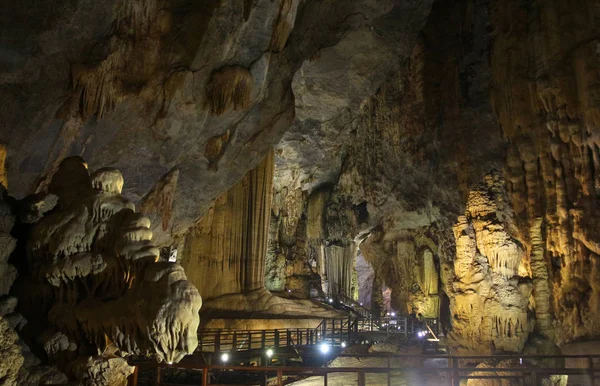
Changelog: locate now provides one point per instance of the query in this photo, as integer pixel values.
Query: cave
(188, 188)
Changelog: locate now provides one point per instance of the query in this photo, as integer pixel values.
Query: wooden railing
(334, 331)
(457, 368)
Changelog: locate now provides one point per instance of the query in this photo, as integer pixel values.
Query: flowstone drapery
(108, 286)
(490, 287)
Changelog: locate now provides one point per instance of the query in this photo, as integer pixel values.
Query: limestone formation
(453, 145)
(12, 359)
(101, 371)
(283, 24)
(550, 380)
(225, 253)
(489, 297)
(408, 266)
(229, 87)
(96, 253)
(3, 179)
(8, 273)
(549, 114)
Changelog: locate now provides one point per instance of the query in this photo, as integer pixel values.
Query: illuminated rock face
(548, 107)
(96, 253)
(408, 266)
(490, 290)
(225, 252)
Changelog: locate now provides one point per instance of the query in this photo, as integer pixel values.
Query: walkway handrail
(453, 368)
(245, 340)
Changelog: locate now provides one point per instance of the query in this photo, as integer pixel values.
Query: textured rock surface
(12, 359)
(551, 380)
(128, 85)
(225, 253)
(386, 116)
(489, 287)
(101, 371)
(92, 276)
(548, 109)
(8, 273)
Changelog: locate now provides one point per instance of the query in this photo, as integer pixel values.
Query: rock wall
(545, 72)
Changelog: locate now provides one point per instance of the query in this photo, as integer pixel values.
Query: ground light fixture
(330, 300)
(393, 314)
(343, 344)
(324, 348)
(269, 353)
(224, 357)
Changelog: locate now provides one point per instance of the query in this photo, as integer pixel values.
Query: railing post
(389, 373)
(133, 381)
(288, 337)
(234, 348)
(534, 381)
(205, 376)
(249, 341)
(158, 375)
(279, 377)
(591, 370)
(325, 379)
(218, 341)
(361, 377)
(276, 338)
(263, 338)
(455, 377)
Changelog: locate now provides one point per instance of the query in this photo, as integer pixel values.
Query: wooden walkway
(331, 331)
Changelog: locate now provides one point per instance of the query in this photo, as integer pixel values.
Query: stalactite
(229, 87)
(340, 263)
(225, 253)
(215, 147)
(160, 198)
(97, 86)
(135, 17)
(316, 208)
(283, 24)
(549, 118)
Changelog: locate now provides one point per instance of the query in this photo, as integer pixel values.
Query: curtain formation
(225, 253)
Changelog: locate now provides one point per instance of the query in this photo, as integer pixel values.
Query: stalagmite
(541, 289)
(97, 254)
(488, 300)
